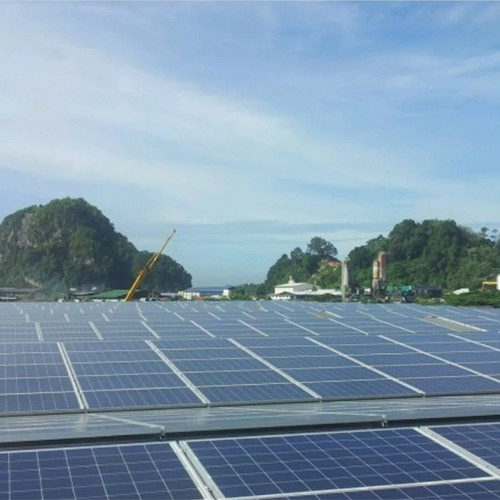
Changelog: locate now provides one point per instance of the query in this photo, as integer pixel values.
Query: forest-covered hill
(70, 243)
(431, 252)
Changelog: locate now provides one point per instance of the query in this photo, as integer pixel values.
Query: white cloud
(324, 135)
(76, 113)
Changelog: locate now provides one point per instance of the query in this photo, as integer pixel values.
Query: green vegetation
(70, 243)
(432, 252)
(478, 298)
(305, 266)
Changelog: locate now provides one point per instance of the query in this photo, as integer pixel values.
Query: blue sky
(251, 127)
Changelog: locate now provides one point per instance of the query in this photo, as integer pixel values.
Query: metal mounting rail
(249, 315)
(194, 466)
(204, 330)
(253, 328)
(153, 333)
(96, 330)
(301, 327)
(476, 342)
(77, 388)
(38, 329)
(374, 318)
(106, 416)
(348, 326)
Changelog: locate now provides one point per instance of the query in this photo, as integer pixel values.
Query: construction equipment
(147, 267)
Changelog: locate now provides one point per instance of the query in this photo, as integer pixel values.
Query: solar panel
(34, 378)
(128, 472)
(18, 332)
(120, 329)
(227, 328)
(470, 490)
(126, 375)
(434, 374)
(224, 373)
(63, 330)
(483, 440)
(328, 374)
(174, 328)
(308, 463)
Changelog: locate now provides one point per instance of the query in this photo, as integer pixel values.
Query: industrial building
(293, 290)
(206, 292)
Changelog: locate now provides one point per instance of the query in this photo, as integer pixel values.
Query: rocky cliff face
(70, 243)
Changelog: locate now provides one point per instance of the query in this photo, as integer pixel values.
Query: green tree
(321, 248)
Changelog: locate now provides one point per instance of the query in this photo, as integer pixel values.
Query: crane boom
(147, 267)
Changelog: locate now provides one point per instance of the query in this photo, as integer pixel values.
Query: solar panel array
(225, 373)
(442, 462)
(104, 360)
(120, 356)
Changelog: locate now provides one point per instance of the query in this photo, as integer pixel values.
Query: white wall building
(292, 287)
(292, 290)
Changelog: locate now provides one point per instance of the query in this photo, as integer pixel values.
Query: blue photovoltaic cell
(229, 378)
(126, 375)
(429, 374)
(225, 373)
(255, 393)
(328, 374)
(218, 365)
(128, 472)
(18, 332)
(472, 384)
(376, 387)
(442, 349)
(471, 490)
(482, 440)
(380, 360)
(228, 328)
(327, 461)
(437, 370)
(33, 378)
(61, 331)
(477, 357)
(168, 329)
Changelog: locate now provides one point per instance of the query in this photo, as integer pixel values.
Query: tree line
(432, 252)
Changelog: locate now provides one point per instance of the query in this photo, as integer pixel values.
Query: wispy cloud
(311, 114)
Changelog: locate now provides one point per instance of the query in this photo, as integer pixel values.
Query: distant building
(292, 291)
(206, 292)
(9, 294)
(292, 287)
